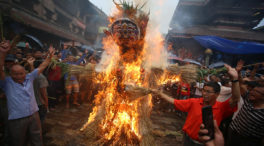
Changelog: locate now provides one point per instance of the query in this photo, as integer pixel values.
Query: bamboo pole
(1, 26)
(251, 65)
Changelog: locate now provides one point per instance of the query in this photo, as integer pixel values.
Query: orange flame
(167, 78)
(121, 115)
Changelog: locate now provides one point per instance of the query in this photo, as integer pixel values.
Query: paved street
(62, 127)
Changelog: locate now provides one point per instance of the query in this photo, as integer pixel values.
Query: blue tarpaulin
(229, 46)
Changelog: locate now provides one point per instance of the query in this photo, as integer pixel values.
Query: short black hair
(36, 50)
(224, 80)
(37, 63)
(252, 84)
(214, 85)
(217, 76)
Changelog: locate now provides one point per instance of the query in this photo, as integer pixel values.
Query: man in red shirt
(193, 107)
(184, 90)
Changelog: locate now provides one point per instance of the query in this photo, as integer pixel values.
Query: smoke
(161, 12)
(156, 53)
(109, 57)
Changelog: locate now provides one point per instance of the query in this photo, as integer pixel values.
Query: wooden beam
(221, 32)
(45, 26)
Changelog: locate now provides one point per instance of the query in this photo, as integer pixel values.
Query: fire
(117, 118)
(165, 78)
(121, 115)
(125, 119)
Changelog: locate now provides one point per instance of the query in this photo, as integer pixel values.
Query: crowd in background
(49, 87)
(242, 123)
(237, 100)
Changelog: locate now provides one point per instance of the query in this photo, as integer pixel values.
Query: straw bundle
(145, 125)
(135, 92)
(87, 70)
(157, 71)
(155, 75)
(174, 69)
(76, 69)
(93, 132)
(188, 72)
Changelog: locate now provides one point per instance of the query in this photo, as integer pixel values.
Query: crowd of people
(237, 100)
(29, 90)
(30, 87)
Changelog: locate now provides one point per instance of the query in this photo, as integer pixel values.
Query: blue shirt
(21, 100)
(64, 54)
(78, 62)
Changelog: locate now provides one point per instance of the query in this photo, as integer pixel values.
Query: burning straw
(135, 92)
(188, 73)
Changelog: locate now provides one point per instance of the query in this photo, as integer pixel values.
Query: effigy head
(125, 31)
(128, 26)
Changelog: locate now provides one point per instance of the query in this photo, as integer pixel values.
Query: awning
(174, 57)
(192, 61)
(217, 64)
(229, 46)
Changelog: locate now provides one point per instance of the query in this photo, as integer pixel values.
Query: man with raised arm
(24, 123)
(193, 107)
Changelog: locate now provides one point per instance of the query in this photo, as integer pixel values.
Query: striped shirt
(249, 121)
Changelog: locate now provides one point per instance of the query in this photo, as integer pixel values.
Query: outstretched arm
(4, 48)
(235, 85)
(243, 88)
(46, 62)
(164, 96)
(30, 61)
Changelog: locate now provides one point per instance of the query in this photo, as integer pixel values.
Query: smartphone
(208, 120)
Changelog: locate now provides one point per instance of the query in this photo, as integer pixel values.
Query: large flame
(121, 116)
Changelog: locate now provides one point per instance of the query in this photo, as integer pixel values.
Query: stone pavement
(62, 126)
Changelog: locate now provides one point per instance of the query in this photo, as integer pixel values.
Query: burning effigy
(121, 115)
(118, 118)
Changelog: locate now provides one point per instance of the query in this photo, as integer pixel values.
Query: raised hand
(232, 72)
(51, 51)
(239, 66)
(30, 61)
(5, 46)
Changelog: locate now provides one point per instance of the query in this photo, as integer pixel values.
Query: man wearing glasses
(193, 107)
